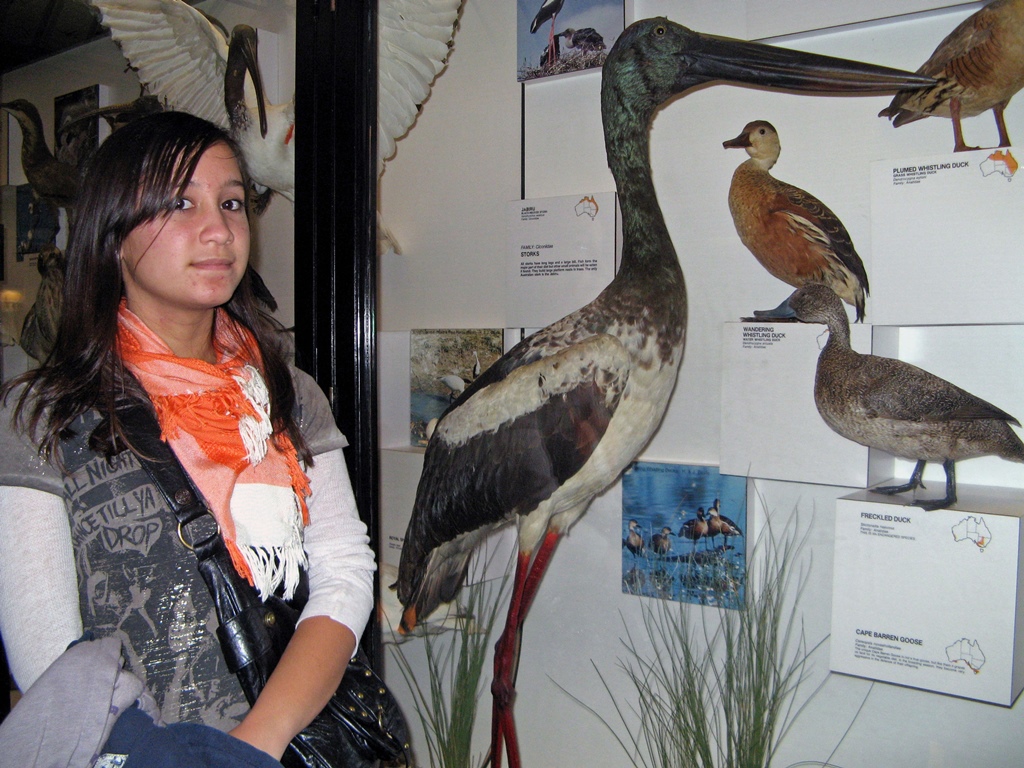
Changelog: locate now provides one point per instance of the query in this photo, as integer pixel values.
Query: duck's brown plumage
(794, 235)
(978, 66)
(897, 407)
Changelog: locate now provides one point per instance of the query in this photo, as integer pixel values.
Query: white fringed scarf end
(268, 528)
(255, 431)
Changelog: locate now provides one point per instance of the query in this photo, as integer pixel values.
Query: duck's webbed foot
(914, 482)
(930, 505)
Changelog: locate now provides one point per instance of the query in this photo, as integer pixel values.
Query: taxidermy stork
(189, 62)
(556, 420)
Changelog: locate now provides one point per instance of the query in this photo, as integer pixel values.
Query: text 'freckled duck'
(794, 235)
(977, 67)
(897, 407)
(556, 420)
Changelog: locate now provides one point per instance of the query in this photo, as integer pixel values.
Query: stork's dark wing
(504, 447)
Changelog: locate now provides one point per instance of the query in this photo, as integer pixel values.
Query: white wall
(444, 196)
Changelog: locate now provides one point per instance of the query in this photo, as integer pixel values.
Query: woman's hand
(303, 682)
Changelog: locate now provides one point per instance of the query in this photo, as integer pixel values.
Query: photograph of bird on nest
(442, 363)
(555, 37)
(678, 544)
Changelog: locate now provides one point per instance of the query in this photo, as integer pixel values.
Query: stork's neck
(33, 146)
(646, 245)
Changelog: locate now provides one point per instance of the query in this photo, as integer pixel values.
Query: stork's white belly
(635, 420)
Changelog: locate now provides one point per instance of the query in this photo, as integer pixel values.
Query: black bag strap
(252, 633)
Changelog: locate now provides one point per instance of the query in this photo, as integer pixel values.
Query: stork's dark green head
(654, 59)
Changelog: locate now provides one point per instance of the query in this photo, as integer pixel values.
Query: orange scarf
(216, 418)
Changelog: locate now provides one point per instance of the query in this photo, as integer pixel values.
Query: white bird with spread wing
(182, 56)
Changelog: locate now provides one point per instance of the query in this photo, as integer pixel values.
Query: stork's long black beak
(243, 58)
(721, 58)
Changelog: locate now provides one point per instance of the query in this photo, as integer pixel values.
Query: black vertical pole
(335, 229)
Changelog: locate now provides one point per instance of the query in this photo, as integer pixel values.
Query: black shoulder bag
(362, 724)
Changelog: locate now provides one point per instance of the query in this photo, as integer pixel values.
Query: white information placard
(930, 599)
(945, 239)
(768, 374)
(561, 255)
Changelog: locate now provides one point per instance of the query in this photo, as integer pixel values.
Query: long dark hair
(134, 178)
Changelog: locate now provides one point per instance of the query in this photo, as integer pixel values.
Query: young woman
(159, 306)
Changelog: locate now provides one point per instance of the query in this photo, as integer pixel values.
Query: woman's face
(179, 267)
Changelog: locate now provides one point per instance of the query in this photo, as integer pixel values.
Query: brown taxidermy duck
(897, 407)
(979, 66)
(794, 235)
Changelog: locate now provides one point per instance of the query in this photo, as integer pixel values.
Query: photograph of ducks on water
(897, 407)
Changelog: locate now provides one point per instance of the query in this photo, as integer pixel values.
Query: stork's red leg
(529, 571)
(551, 41)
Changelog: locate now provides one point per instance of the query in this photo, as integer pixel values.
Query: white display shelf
(931, 599)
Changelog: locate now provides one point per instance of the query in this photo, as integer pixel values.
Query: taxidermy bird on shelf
(977, 67)
(39, 328)
(556, 420)
(52, 181)
(189, 62)
(119, 115)
(792, 233)
(897, 407)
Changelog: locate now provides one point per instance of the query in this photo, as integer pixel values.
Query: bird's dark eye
(660, 30)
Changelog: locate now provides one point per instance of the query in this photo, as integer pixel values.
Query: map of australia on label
(1001, 162)
(972, 529)
(967, 651)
